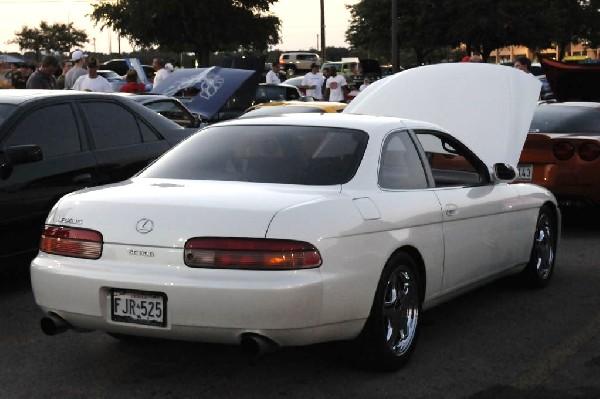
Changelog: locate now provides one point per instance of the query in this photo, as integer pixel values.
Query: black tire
(539, 270)
(390, 333)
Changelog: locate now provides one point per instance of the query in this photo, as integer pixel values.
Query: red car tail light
(563, 150)
(589, 151)
(69, 241)
(250, 253)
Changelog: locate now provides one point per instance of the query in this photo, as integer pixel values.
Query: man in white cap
(78, 59)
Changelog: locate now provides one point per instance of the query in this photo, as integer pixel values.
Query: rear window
(5, 111)
(565, 119)
(265, 154)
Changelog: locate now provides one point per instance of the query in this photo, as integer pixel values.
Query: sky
(300, 22)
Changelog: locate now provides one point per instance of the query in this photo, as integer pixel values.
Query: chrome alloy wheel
(543, 247)
(400, 311)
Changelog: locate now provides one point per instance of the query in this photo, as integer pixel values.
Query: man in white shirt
(336, 88)
(92, 81)
(313, 82)
(273, 75)
(78, 60)
(161, 71)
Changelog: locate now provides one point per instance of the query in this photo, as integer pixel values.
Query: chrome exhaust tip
(53, 324)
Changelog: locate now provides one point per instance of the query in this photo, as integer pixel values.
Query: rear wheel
(540, 268)
(390, 334)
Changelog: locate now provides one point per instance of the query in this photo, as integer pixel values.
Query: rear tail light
(563, 150)
(589, 151)
(250, 253)
(69, 241)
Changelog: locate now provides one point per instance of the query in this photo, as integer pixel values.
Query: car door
(480, 219)
(123, 144)
(410, 210)
(28, 191)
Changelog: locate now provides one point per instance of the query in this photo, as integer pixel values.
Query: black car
(56, 142)
(169, 107)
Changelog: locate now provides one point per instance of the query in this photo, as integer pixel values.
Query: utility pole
(323, 52)
(395, 35)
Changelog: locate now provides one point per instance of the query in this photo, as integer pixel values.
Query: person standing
(161, 71)
(60, 81)
(336, 86)
(325, 73)
(523, 64)
(43, 77)
(78, 59)
(366, 83)
(92, 81)
(132, 85)
(273, 75)
(313, 83)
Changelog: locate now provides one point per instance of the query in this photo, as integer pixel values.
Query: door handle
(451, 210)
(82, 178)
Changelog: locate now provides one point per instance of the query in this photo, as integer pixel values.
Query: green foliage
(50, 38)
(195, 26)
(427, 27)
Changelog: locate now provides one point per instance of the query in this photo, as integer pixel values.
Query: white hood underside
(487, 107)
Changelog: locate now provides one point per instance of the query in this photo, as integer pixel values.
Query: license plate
(139, 307)
(525, 172)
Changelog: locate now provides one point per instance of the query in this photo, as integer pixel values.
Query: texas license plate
(525, 172)
(139, 307)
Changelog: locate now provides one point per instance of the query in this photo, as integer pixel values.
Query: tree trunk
(202, 57)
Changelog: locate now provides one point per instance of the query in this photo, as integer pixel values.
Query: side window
(450, 162)
(111, 125)
(53, 128)
(400, 166)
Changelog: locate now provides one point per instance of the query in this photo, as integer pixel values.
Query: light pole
(395, 35)
(323, 52)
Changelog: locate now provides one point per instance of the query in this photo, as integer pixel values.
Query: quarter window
(53, 128)
(400, 166)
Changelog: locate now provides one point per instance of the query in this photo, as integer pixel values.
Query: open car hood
(213, 87)
(487, 107)
(572, 82)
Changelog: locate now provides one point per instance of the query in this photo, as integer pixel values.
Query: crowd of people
(79, 72)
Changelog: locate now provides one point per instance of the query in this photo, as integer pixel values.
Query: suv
(293, 62)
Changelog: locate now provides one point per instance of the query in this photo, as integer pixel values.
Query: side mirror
(22, 154)
(505, 172)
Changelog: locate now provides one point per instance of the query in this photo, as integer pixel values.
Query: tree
(50, 38)
(194, 26)
(423, 27)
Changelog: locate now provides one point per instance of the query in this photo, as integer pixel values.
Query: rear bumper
(572, 184)
(202, 304)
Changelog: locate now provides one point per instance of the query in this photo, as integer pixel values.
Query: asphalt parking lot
(500, 341)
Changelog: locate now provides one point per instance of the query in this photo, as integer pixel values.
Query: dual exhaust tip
(252, 344)
(53, 324)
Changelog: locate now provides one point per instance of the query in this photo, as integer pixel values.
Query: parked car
(214, 93)
(169, 107)
(309, 228)
(116, 81)
(292, 107)
(562, 150)
(277, 92)
(120, 67)
(296, 81)
(55, 142)
(297, 61)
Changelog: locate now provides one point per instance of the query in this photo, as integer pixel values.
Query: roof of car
(19, 96)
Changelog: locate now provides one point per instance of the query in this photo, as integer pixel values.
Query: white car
(300, 229)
